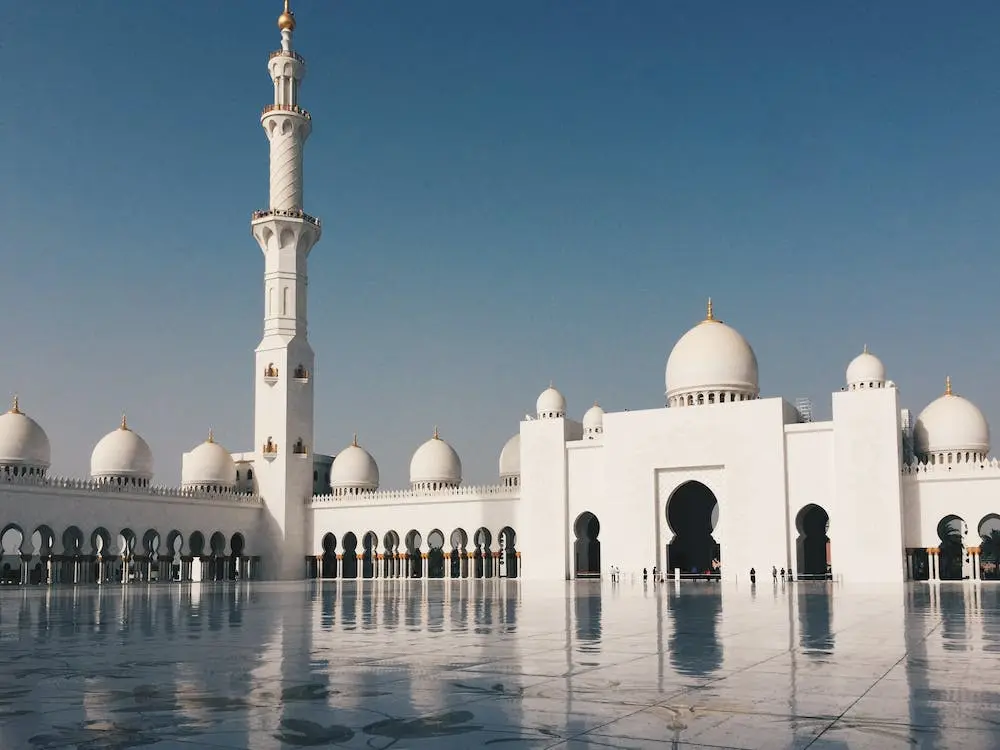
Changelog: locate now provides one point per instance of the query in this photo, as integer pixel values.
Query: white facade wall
(868, 458)
(931, 493)
(811, 477)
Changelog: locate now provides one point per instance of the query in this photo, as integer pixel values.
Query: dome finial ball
(286, 21)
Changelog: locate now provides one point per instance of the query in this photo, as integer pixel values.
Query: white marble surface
(437, 664)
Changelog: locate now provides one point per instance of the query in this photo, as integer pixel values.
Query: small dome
(593, 421)
(550, 404)
(711, 359)
(435, 463)
(209, 465)
(122, 454)
(951, 424)
(354, 468)
(22, 441)
(865, 371)
(510, 458)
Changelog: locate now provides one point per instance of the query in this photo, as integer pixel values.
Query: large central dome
(712, 363)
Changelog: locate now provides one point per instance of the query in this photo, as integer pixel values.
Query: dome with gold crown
(951, 426)
(122, 457)
(435, 465)
(711, 363)
(208, 467)
(24, 446)
(354, 471)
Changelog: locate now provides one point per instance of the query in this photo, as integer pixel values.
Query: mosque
(717, 481)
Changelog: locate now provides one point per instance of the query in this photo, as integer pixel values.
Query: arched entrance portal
(692, 514)
(813, 544)
(587, 547)
(951, 557)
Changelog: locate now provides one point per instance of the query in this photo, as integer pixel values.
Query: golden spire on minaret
(287, 19)
(437, 435)
(14, 407)
(947, 385)
(709, 315)
(124, 424)
(355, 443)
(211, 435)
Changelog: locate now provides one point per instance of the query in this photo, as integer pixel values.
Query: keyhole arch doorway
(587, 546)
(692, 516)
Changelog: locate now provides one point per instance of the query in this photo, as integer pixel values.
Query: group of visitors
(774, 574)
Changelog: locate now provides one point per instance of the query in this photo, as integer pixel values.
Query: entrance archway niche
(369, 544)
(989, 554)
(328, 564)
(813, 543)
(435, 554)
(692, 515)
(587, 547)
(951, 557)
(416, 562)
(349, 564)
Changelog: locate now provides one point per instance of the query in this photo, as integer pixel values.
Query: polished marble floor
(438, 664)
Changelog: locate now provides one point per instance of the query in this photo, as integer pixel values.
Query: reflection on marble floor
(465, 664)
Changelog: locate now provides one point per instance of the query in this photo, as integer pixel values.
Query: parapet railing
(287, 53)
(125, 488)
(917, 468)
(489, 491)
(293, 108)
(291, 213)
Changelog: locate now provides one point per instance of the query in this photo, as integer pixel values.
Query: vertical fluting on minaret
(287, 125)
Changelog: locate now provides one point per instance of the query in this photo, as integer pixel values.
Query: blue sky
(511, 192)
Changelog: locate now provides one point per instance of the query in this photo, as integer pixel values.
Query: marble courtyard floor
(438, 664)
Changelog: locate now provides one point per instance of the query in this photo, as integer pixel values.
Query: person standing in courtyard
(753, 576)
(774, 573)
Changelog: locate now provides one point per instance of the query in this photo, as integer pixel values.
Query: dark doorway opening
(587, 547)
(692, 514)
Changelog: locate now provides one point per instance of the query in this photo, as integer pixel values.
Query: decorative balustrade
(287, 53)
(483, 492)
(290, 213)
(917, 469)
(293, 108)
(113, 488)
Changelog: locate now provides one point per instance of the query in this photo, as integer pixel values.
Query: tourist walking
(753, 576)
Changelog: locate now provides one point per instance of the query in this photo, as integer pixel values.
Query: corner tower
(283, 387)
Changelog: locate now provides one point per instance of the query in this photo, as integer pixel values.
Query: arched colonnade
(46, 556)
(412, 555)
(964, 551)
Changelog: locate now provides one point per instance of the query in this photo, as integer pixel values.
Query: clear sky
(512, 192)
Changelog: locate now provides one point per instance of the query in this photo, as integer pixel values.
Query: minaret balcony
(287, 53)
(271, 374)
(301, 374)
(286, 213)
(294, 108)
(270, 449)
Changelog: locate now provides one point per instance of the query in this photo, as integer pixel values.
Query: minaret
(283, 387)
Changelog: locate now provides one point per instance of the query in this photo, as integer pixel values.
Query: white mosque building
(718, 481)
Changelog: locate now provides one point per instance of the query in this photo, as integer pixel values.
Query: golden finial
(597, 404)
(355, 443)
(947, 385)
(287, 19)
(551, 384)
(124, 424)
(211, 435)
(436, 435)
(14, 407)
(709, 315)
(865, 350)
